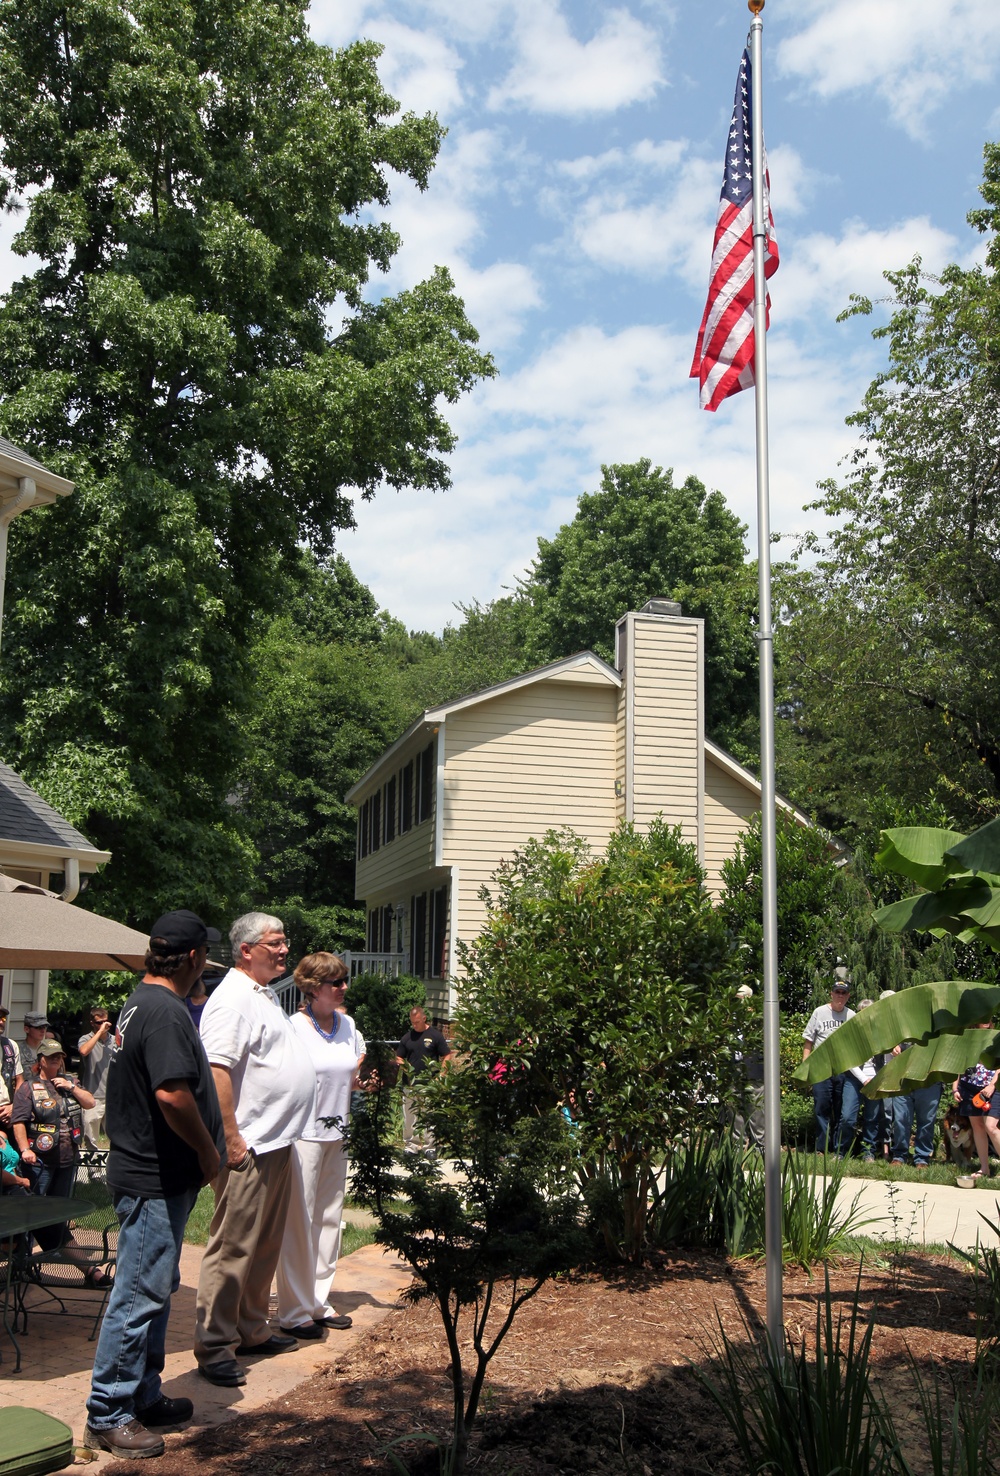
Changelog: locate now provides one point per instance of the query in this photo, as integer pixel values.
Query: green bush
(380, 1004)
(798, 1121)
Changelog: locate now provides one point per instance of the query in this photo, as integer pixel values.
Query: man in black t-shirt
(166, 1142)
(420, 1044)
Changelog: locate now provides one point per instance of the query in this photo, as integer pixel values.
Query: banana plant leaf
(979, 852)
(950, 909)
(921, 853)
(947, 1007)
(941, 1059)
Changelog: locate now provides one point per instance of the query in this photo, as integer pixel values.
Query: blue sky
(574, 202)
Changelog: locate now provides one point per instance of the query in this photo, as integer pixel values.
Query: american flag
(723, 358)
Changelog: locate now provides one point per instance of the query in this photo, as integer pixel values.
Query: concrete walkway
(56, 1357)
(925, 1214)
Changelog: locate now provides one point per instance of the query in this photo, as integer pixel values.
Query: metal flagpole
(765, 637)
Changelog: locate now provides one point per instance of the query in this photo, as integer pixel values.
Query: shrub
(380, 1004)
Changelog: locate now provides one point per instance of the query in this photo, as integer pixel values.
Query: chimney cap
(662, 607)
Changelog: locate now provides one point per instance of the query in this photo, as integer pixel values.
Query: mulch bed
(594, 1377)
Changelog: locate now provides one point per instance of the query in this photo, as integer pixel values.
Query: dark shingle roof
(9, 449)
(24, 816)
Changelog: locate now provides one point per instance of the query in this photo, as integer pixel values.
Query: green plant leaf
(922, 853)
(932, 910)
(979, 852)
(947, 1007)
(939, 1060)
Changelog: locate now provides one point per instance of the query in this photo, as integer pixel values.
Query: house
(37, 845)
(577, 743)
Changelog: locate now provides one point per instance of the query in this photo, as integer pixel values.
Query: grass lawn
(935, 1172)
(355, 1236)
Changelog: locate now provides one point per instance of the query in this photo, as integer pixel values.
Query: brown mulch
(595, 1375)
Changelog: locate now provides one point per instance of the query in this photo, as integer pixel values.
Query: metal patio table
(22, 1215)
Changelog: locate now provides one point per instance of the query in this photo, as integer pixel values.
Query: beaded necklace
(326, 1034)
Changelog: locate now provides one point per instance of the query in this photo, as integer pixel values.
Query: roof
(15, 464)
(26, 819)
(744, 776)
(584, 666)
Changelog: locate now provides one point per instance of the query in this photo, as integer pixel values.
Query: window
(418, 935)
(376, 804)
(389, 811)
(425, 793)
(372, 930)
(385, 922)
(364, 823)
(438, 933)
(406, 798)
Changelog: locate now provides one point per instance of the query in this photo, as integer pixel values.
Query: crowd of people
(900, 1128)
(197, 1087)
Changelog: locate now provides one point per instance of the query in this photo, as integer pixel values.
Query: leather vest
(48, 1105)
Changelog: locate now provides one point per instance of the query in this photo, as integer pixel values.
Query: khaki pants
(93, 1126)
(244, 1243)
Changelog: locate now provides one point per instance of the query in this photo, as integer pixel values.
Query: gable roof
(26, 822)
(744, 776)
(584, 667)
(16, 463)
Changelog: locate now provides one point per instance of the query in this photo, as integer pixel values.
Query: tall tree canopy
(890, 656)
(196, 351)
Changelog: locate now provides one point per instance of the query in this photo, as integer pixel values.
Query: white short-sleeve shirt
(244, 1028)
(334, 1063)
(824, 1021)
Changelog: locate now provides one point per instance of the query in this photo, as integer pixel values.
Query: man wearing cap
(95, 1058)
(166, 1142)
(827, 1094)
(35, 1026)
(11, 1070)
(267, 1088)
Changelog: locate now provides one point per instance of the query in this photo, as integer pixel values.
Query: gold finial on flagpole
(756, 6)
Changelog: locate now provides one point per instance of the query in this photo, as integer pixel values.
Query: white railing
(374, 963)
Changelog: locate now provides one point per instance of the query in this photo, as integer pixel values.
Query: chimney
(661, 718)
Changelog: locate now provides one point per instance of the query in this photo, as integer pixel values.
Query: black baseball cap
(182, 930)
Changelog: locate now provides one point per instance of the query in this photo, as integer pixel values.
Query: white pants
(311, 1243)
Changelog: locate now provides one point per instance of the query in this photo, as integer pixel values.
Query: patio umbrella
(38, 930)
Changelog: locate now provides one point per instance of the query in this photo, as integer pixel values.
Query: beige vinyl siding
(728, 806)
(23, 990)
(390, 869)
(620, 741)
(665, 672)
(533, 760)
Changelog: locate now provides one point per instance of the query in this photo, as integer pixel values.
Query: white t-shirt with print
(244, 1028)
(824, 1022)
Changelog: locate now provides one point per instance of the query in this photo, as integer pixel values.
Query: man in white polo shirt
(267, 1087)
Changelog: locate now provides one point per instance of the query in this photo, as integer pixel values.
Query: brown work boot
(132, 1441)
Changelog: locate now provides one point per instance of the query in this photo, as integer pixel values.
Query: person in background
(35, 1026)
(972, 1093)
(197, 1000)
(95, 1058)
(827, 1095)
(852, 1101)
(10, 1169)
(166, 1142)
(748, 1123)
(421, 1043)
(319, 1160)
(267, 1093)
(48, 1125)
(11, 1070)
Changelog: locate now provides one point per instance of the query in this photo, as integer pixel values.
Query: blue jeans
(58, 1180)
(871, 1116)
(826, 1104)
(920, 1107)
(131, 1347)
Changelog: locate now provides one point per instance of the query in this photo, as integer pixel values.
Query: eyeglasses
(340, 983)
(274, 945)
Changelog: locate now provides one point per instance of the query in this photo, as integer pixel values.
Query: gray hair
(250, 928)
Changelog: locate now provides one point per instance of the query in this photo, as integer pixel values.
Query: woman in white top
(311, 1243)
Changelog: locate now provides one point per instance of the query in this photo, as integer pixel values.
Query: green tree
(606, 984)
(888, 656)
(197, 352)
(637, 538)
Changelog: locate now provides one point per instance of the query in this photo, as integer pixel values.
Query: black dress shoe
(335, 1319)
(133, 1440)
(166, 1412)
(276, 1343)
(305, 1330)
(226, 1373)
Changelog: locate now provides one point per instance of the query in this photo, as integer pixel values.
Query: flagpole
(765, 637)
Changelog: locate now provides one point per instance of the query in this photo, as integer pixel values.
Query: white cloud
(553, 72)
(819, 272)
(912, 53)
(418, 67)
